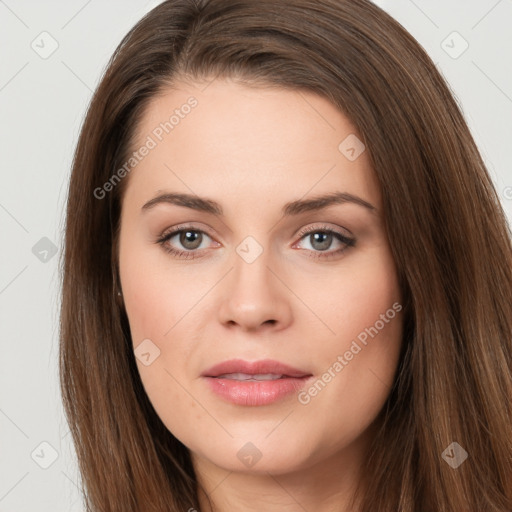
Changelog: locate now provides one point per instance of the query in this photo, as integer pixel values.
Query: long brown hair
(447, 230)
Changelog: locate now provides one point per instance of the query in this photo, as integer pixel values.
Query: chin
(258, 457)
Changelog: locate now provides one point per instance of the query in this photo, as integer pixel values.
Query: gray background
(43, 97)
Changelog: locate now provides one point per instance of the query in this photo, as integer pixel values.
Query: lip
(255, 393)
(256, 367)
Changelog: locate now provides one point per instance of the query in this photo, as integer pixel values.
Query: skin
(254, 149)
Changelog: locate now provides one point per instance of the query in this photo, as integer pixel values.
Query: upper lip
(254, 368)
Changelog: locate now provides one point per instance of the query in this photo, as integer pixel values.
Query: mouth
(254, 383)
(248, 376)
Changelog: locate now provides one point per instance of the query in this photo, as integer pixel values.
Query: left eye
(189, 238)
(321, 240)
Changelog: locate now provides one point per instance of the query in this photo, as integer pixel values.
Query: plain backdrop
(52, 55)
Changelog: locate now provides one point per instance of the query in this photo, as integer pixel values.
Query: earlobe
(119, 298)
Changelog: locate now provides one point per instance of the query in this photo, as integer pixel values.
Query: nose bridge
(251, 267)
(254, 296)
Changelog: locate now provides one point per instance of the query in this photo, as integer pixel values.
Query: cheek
(358, 359)
(353, 298)
(159, 303)
(157, 310)
(156, 298)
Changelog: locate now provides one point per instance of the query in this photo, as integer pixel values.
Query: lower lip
(252, 392)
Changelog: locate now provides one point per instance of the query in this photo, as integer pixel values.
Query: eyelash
(349, 242)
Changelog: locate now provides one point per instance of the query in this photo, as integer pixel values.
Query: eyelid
(299, 234)
(184, 227)
(323, 227)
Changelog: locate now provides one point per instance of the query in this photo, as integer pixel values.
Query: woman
(340, 338)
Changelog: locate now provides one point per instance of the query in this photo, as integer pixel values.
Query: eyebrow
(289, 209)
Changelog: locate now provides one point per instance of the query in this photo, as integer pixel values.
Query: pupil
(324, 239)
(189, 239)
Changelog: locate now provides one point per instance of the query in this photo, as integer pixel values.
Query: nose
(254, 296)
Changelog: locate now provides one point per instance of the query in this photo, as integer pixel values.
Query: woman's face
(264, 270)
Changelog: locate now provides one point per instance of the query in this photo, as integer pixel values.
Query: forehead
(254, 144)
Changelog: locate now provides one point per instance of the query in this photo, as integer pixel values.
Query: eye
(188, 237)
(321, 239)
